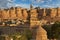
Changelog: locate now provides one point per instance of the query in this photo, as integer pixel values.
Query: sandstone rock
(44, 12)
(5, 14)
(33, 17)
(53, 12)
(25, 15)
(58, 12)
(19, 13)
(12, 13)
(0, 15)
(33, 14)
(41, 34)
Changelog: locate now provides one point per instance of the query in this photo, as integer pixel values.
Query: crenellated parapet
(19, 13)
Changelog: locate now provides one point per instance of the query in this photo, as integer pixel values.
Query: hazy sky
(26, 3)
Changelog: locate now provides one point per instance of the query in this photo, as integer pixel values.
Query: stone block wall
(22, 14)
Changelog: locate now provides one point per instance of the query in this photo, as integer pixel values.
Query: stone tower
(31, 7)
(19, 13)
(48, 12)
(5, 14)
(8, 15)
(0, 16)
(33, 17)
(12, 13)
(25, 15)
(44, 12)
(58, 12)
(53, 12)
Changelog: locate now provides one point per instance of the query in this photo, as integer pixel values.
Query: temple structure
(17, 16)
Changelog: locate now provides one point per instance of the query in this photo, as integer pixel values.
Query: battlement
(34, 14)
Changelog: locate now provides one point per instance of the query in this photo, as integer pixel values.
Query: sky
(26, 3)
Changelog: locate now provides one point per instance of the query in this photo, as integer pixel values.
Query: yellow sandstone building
(20, 15)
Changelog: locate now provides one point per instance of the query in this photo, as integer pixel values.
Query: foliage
(56, 30)
(25, 35)
(28, 33)
(2, 38)
(48, 29)
(53, 31)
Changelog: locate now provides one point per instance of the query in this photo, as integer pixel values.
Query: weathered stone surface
(41, 34)
(8, 15)
(0, 15)
(33, 17)
(5, 14)
(25, 14)
(58, 12)
(33, 13)
(44, 12)
(12, 13)
(19, 13)
(53, 12)
(34, 23)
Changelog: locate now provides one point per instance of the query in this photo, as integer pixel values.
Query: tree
(48, 29)
(56, 30)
